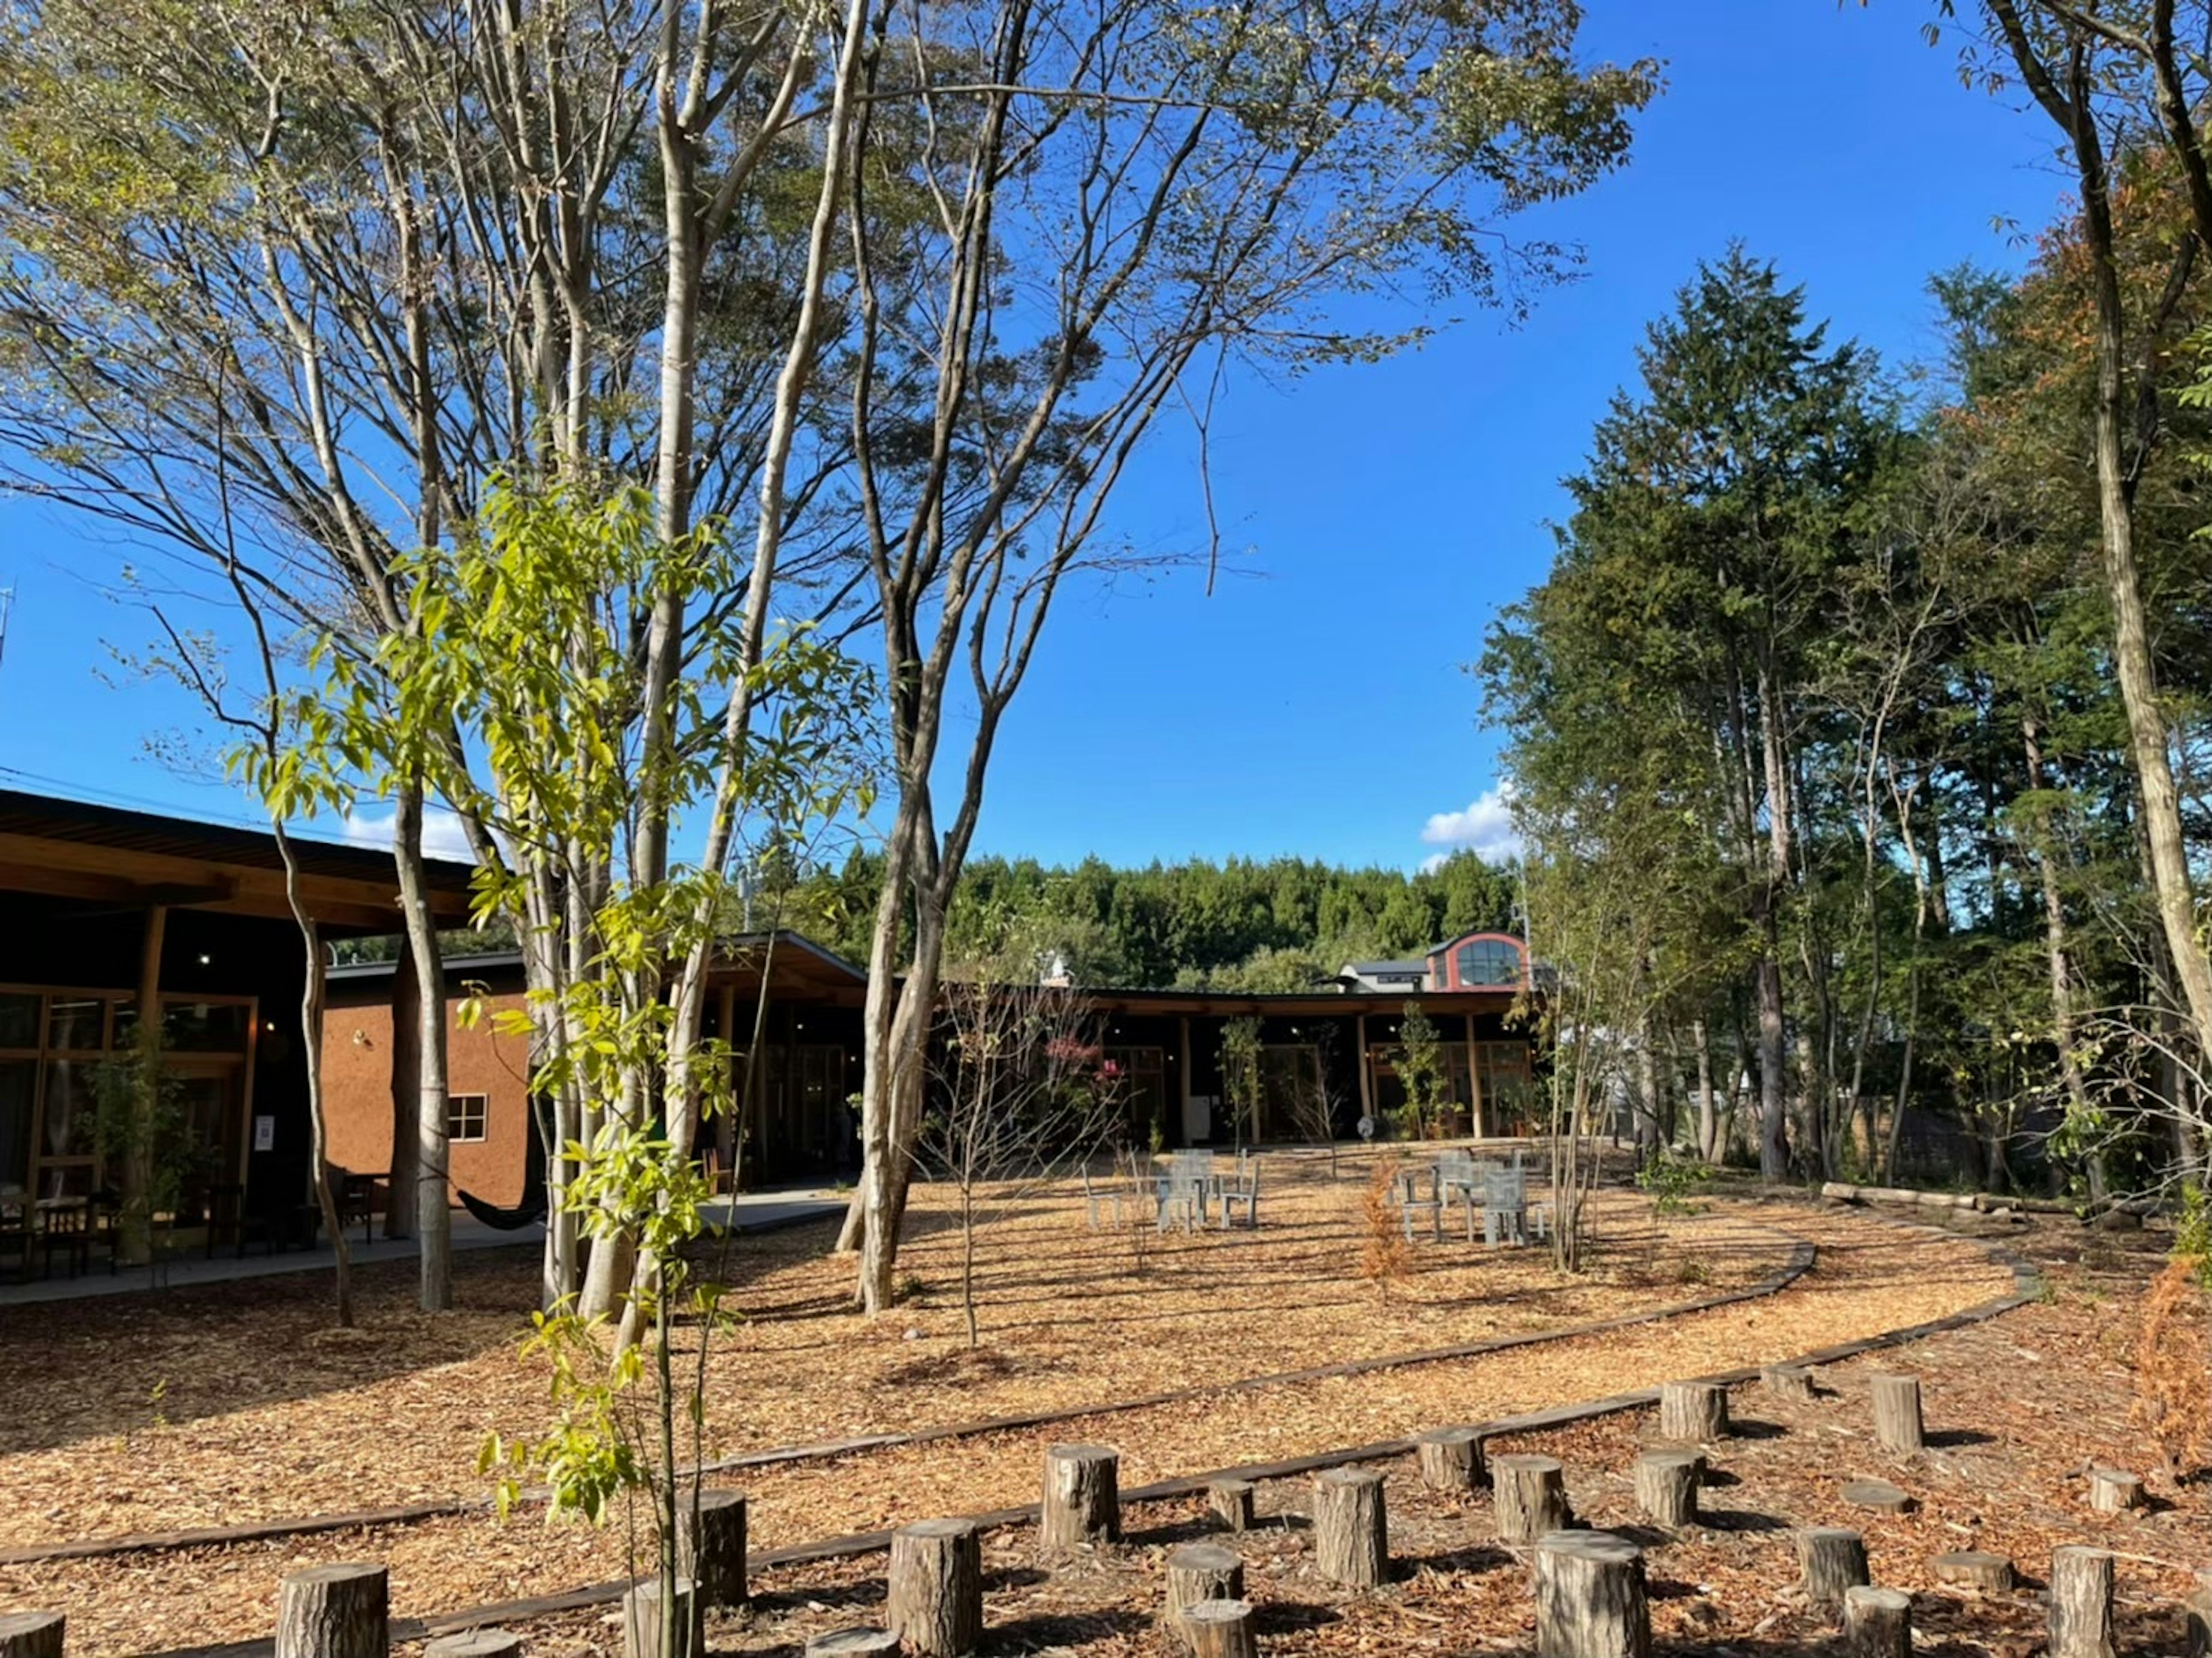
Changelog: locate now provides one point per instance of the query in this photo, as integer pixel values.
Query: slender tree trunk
(2056, 960)
(2132, 647)
(1709, 1128)
(433, 1215)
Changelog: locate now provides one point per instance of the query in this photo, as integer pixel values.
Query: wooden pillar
(726, 1125)
(137, 1157)
(1474, 1081)
(1174, 1136)
(1366, 1082)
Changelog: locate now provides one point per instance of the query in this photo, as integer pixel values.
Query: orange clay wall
(357, 1092)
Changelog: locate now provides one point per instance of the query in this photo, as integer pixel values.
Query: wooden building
(103, 911)
(1161, 1047)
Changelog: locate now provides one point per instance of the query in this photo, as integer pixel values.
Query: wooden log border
(2028, 1287)
(1803, 1254)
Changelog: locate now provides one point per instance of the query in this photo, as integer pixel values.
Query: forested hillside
(1243, 924)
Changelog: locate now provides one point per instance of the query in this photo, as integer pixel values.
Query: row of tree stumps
(1589, 1586)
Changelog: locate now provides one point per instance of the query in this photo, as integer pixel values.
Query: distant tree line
(1244, 924)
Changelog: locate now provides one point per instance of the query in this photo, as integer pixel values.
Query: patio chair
(1418, 1193)
(1094, 1198)
(65, 1229)
(1504, 1207)
(16, 1228)
(1243, 1189)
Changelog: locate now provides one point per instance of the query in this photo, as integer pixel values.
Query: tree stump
(477, 1644)
(2081, 1603)
(1877, 1494)
(1529, 1493)
(32, 1634)
(1832, 1560)
(1351, 1533)
(646, 1624)
(2197, 1615)
(1589, 1597)
(861, 1642)
(937, 1587)
(1693, 1412)
(1232, 1502)
(713, 1550)
(1667, 1487)
(1220, 1628)
(1451, 1459)
(1877, 1623)
(1789, 1381)
(1082, 1497)
(1196, 1572)
(2112, 1491)
(1970, 1568)
(333, 1611)
(1896, 1414)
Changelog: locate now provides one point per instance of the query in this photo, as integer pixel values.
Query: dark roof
(1392, 969)
(76, 848)
(817, 964)
(51, 817)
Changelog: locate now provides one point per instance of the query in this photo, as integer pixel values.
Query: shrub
(1384, 1259)
(1672, 1183)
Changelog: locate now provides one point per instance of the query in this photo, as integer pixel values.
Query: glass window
(206, 1027)
(465, 1117)
(1489, 962)
(77, 1024)
(19, 1086)
(19, 1015)
(71, 1122)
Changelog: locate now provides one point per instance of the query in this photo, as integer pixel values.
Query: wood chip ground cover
(1869, 1278)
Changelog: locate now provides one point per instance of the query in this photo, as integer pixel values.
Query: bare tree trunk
(2056, 959)
(1709, 1128)
(433, 1215)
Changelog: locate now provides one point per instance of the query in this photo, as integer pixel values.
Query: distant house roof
(1391, 969)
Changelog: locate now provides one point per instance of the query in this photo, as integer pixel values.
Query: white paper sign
(264, 1133)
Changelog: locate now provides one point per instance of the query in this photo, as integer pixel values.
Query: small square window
(465, 1117)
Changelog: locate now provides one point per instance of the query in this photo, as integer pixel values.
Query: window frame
(457, 1116)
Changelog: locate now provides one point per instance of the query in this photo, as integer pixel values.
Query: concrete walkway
(747, 1212)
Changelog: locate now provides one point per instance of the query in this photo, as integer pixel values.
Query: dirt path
(1869, 1278)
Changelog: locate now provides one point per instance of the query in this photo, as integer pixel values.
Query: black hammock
(505, 1220)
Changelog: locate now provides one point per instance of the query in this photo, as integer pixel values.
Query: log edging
(1803, 1256)
(2028, 1287)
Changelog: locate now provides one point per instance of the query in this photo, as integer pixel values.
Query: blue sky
(1317, 702)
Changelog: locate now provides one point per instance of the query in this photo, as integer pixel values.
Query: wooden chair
(1245, 1191)
(1096, 1198)
(1412, 1184)
(65, 1228)
(15, 1229)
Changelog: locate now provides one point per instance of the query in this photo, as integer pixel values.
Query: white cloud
(1484, 826)
(442, 833)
